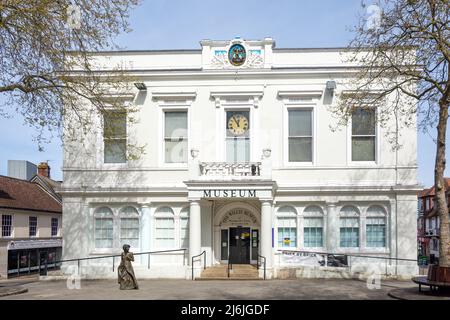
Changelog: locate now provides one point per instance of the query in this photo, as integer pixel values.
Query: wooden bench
(434, 285)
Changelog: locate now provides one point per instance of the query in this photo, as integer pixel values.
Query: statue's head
(126, 247)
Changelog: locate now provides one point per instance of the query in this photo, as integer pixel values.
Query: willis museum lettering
(229, 193)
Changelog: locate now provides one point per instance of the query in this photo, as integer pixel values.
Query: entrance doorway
(240, 245)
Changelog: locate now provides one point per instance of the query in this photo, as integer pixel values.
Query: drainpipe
(396, 197)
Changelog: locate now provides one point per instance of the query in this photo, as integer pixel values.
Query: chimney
(44, 169)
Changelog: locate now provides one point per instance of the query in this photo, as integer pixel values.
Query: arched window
(349, 227)
(129, 227)
(313, 227)
(287, 227)
(164, 228)
(103, 227)
(184, 228)
(376, 227)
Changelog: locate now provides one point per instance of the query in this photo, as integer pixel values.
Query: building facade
(239, 161)
(31, 221)
(429, 223)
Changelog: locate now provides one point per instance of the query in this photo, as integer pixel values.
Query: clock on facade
(238, 124)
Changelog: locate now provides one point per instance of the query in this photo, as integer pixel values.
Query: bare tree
(403, 55)
(42, 43)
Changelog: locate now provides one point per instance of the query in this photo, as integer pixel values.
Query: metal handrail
(192, 262)
(260, 256)
(348, 255)
(113, 256)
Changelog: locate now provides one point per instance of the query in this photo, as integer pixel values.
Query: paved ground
(206, 290)
(414, 294)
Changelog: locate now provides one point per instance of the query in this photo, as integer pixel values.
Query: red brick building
(30, 224)
(428, 223)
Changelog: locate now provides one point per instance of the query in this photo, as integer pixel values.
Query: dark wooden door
(240, 245)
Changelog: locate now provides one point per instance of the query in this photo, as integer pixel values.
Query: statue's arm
(131, 256)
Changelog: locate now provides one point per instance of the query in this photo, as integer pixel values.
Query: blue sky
(181, 24)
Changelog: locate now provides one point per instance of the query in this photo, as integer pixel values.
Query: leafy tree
(42, 43)
(402, 51)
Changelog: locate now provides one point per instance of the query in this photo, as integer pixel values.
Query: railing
(262, 257)
(330, 258)
(230, 169)
(192, 262)
(78, 260)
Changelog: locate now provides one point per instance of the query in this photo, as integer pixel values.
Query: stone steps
(239, 272)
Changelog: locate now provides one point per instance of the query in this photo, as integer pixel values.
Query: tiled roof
(48, 184)
(22, 194)
(431, 191)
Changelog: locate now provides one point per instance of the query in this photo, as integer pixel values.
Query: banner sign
(313, 259)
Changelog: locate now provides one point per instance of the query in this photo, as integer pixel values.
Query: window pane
(32, 226)
(376, 232)
(175, 124)
(164, 232)
(184, 234)
(363, 149)
(54, 226)
(103, 232)
(176, 151)
(129, 232)
(238, 149)
(349, 222)
(363, 122)
(313, 222)
(349, 237)
(300, 149)
(313, 237)
(287, 237)
(115, 151)
(300, 123)
(6, 225)
(115, 124)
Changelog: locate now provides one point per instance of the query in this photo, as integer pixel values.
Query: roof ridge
(17, 179)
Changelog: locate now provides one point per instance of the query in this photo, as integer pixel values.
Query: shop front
(30, 256)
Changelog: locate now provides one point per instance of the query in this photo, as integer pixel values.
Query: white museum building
(239, 162)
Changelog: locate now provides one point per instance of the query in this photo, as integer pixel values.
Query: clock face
(238, 124)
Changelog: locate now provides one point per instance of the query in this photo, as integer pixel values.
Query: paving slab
(414, 294)
(299, 289)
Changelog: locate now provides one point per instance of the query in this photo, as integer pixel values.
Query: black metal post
(18, 263)
(264, 268)
(204, 260)
(148, 263)
(192, 266)
(79, 269)
(113, 263)
(39, 262)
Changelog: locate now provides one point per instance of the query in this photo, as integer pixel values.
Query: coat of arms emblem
(237, 55)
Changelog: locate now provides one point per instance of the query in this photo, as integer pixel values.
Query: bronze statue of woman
(127, 280)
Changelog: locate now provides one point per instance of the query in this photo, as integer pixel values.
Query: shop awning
(34, 244)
